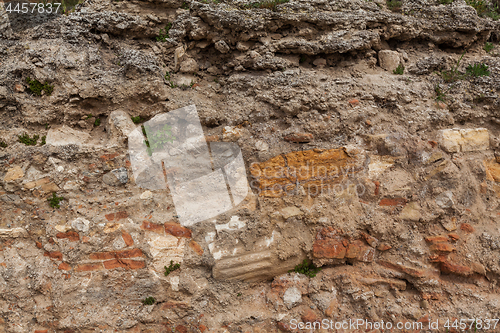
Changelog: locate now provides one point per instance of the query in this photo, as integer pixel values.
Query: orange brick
(453, 236)
(354, 102)
(41, 331)
(202, 328)
(442, 247)
(64, 267)
(393, 202)
(89, 267)
(121, 215)
(71, 235)
(124, 263)
(384, 247)
(127, 238)
(466, 227)
(110, 217)
(449, 268)
(39, 245)
(196, 247)
(132, 253)
(54, 255)
(158, 228)
(177, 230)
(107, 157)
(436, 239)
(329, 248)
(181, 329)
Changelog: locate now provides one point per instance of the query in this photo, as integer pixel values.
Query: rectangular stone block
(463, 140)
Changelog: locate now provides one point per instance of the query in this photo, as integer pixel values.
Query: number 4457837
(472, 324)
(33, 7)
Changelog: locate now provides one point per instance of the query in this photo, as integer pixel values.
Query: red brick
(158, 228)
(124, 263)
(202, 328)
(196, 247)
(181, 329)
(329, 248)
(442, 247)
(438, 257)
(453, 236)
(127, 238)
(436, 239)
(299, 137)
(384, 247)
(354, 249)
(309, 316)
(370, 239)
(132, 253)
(449, 268)
(71, 235)
(177, 230)
(377, 187)
(284, 327)
(54, 255)
(64, 267)
(466, 227)
(41, 331)
(38, 245)
(89, 267)
(121, 215)
(110, 217)
(354, 102)
(107, 157)
(393, 202)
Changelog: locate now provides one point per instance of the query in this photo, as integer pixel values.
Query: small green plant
(306, 268)
(171, 268)
(149, 301)
(146, 141)
(394, 5)
(43, 140)
(163, 35)
(25, 138)
(216, 80)
(3, 144)
(47, 126)
(36, 87)
(169, 80)
(192, 84)
(488, 46)
(97, 122)
(445, 2)
(302, 58)
(185, 5)
(453, 74)
(55, 200)
(239, 294)
(440, 94)
(267, 4)
(89, 116)
(477, 70)
(136, 120)
(399, 70)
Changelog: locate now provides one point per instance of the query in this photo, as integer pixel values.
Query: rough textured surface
(390, 187)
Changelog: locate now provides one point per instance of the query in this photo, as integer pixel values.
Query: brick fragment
(158, 228)
(196, 247)
(453, 236)
(124, 263)
(393, 202)
(384, 247)
(177, 230)
(449, 268)
(329, 248)
(436, 239)
(132, 253)
(89, 267)
(467, 227)
(127, 238)
(299, 137)
(442, 247)
(70, 235)
(64, 267)
(54, 255)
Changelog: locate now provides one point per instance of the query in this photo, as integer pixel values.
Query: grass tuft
(25, 138)
(163, 35)
(266, 4)
(488, 46)
(171, 268)
(399, 70)
(478, 70)
(36, 87)
(306, 268)
(394, 5)
(54, 202)
(149, 301)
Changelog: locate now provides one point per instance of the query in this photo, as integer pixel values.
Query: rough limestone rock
(389, 60)
(65, 135)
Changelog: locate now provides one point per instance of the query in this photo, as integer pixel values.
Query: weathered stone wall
(393, 192)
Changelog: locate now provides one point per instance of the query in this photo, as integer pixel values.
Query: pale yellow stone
(464, 140)
(411, 212)
(13, 174)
